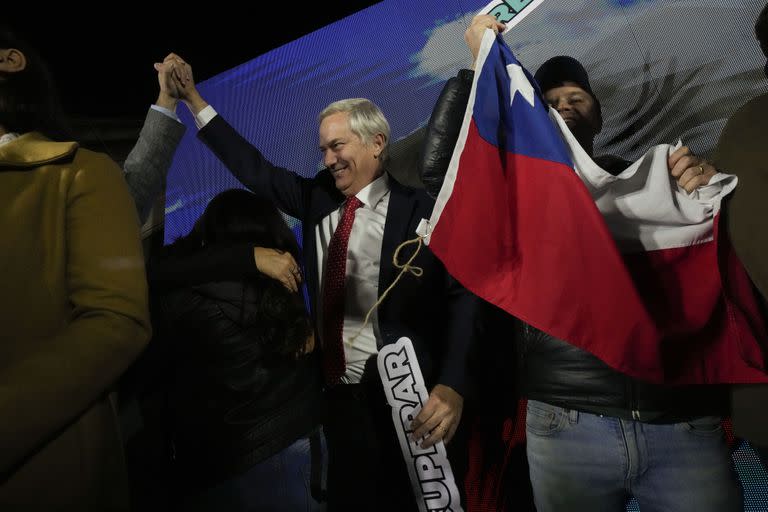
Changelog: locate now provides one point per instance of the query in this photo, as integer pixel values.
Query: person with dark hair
(595, 436)
(29, 100)
(354, 216)
(74, 308)
(244, 393)
(743, 150)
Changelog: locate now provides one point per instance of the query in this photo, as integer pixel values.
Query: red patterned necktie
(333, 294)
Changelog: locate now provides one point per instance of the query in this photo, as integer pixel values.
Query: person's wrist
(195, 102)
(166, 101)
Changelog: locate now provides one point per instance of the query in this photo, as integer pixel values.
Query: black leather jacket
(548, 369)
(234, 396)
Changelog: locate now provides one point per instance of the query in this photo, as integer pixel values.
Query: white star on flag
(519, 83)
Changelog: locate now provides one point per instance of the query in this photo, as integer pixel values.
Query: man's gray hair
(366, 120)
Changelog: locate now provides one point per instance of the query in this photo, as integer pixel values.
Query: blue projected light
(640, 65)
(273, 100)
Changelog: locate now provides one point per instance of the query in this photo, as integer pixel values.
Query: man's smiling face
(352, 161)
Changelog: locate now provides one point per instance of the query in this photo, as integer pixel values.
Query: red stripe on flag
(524, 234)
(703, 302)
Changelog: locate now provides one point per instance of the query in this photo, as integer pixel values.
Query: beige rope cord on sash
(405, 267)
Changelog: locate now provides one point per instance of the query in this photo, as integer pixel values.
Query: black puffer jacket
(549, 369)
(237, 392)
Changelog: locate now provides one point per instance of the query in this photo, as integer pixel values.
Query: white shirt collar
(375, 191)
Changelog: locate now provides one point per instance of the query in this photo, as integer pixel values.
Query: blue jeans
(279, 483)
(762, 454)
(582, 461)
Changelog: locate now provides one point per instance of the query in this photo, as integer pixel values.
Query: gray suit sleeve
(146, 166)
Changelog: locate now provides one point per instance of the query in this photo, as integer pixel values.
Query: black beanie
(558, 70)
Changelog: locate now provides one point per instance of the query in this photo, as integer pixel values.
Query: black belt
(644, 416)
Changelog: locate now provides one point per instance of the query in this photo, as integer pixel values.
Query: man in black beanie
(565, 85)
(582, 112)
(595, 436)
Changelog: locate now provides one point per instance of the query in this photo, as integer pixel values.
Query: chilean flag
(627, 267)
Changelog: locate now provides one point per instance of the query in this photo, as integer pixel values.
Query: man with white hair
(355, 216)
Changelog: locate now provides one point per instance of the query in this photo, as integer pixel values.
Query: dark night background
(102, 63)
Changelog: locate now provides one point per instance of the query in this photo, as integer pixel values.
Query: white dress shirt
(361, 290)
